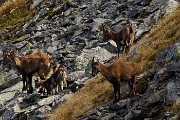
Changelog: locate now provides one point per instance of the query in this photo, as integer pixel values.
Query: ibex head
(132, 26)
(106, 31)
(8, 56)
(61, 71)
(95, 67)
(37, 82)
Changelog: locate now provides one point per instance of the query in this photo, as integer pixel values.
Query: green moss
(18, 16)
(28, 47)
(22, 38)
(177, 53)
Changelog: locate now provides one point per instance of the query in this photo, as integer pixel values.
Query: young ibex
(116, 73)
(27, 65)
(140, 85)
(56, 78)
(124, 38)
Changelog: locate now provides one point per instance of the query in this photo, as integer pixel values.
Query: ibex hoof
(23, 89)
(29, 91)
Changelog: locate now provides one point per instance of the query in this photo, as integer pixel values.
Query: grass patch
(84, 100)
(13, 17)
(172, 108)
(175, 108)
(10, 5)
(99, 91)
(165, 34)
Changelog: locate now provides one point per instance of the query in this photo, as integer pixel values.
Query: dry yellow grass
(99, 90)
(165, 34)
(12, 18)
(10, 5)
(173, 108)
(93, 94)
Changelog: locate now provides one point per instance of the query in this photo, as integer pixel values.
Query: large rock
(38, 36)
(174, 53)
(74, 76)
(134, 13)
(9, 93)
(97, 23)
(83, 61)
(173, 91)
(170, 6)
(43, 112)
(52, 49)
(47, 101)
(36, 3)
(43, 12)
(145, 2)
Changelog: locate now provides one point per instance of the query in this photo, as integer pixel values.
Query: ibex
(124, 38)
(56, 79)
(116, 73)
(27, 65)
(140, 85)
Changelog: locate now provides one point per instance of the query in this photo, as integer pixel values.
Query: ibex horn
(93, 60)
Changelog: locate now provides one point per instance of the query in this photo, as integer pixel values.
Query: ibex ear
(92, 60)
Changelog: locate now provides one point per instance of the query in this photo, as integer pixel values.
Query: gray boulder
(47, 101)
(84, 59)
(36, 3)
(74, 76)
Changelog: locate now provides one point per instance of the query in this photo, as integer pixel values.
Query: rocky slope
(163, 89)
(71, 33)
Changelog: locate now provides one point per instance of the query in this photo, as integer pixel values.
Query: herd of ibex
(53, 76)
(39, 62)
